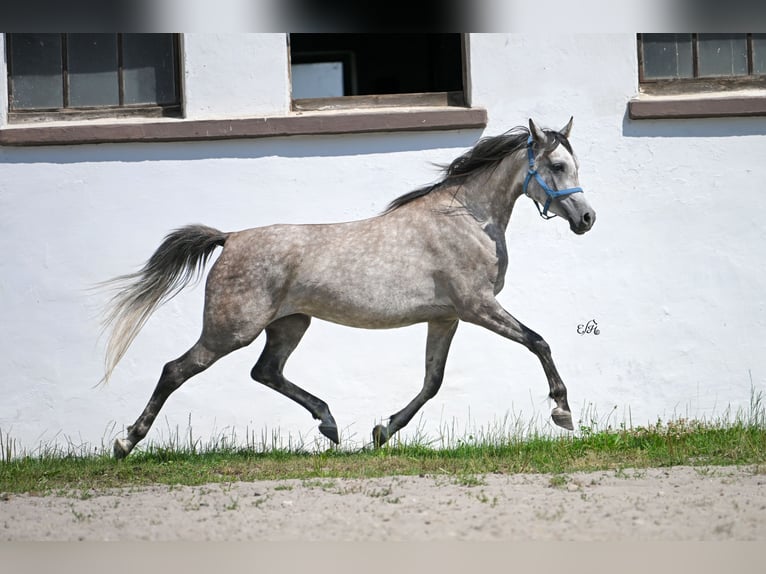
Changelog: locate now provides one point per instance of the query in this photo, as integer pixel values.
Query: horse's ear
(537, 134)
(567, 129)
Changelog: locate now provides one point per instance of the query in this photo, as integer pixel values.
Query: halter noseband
(551, 193)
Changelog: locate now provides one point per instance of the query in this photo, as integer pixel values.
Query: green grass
(726, 441)
(603, 450)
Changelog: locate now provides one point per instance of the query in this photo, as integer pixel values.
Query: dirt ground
(675, 504)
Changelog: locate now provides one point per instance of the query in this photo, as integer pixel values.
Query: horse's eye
(557, 167)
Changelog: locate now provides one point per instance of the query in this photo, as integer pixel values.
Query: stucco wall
(672, 271)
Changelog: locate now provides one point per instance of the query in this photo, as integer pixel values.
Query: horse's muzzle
(583, 223)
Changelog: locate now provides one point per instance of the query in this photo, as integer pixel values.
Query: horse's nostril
(587, 218)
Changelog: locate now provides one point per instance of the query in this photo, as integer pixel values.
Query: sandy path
(719, 503)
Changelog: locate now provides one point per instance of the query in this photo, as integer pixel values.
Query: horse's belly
(383, 309)
(377, 319)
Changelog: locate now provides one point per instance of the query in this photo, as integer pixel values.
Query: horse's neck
(490, 197)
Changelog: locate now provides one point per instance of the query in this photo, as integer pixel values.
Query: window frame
(416, 99)
(698, 97)
(73, 113)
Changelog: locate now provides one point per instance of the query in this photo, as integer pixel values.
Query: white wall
(672, 270)
(235, 75)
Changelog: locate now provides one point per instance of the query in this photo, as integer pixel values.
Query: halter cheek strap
(550, 193)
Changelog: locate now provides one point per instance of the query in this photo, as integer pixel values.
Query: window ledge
(713, 105)
(297, 123)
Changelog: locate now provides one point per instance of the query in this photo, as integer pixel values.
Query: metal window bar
(695, 56)
(64, 68)
(120, 70)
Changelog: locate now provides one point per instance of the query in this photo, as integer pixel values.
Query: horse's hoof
(379, 436)
(562, 418)
(330, 430)
(121, 448)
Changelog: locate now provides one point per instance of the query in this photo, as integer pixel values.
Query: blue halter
(551, 193)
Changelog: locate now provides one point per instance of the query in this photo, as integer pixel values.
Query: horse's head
(552, 178)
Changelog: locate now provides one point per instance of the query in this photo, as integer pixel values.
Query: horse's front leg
(440, 333)
(491, 315)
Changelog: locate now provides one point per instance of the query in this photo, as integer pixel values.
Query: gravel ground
(674, 504)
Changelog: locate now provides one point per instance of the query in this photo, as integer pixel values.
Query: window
(684, 61)
(700, 75)
(366, 70)
(55, 76)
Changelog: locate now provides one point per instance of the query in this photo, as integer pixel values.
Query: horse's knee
(542, 347)
(537, 345)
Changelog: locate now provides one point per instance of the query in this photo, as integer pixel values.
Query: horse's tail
(177, 262)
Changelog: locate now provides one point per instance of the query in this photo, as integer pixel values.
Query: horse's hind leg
(440, 335)
(175, 373)
(283, 336)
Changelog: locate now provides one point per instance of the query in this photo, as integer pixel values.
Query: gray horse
(436, 255)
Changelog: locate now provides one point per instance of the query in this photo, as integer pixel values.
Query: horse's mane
(486, 154)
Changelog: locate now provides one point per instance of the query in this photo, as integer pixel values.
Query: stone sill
(297, 123)
(653, 107)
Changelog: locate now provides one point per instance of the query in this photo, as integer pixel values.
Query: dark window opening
(51, 76)
(341, 65)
